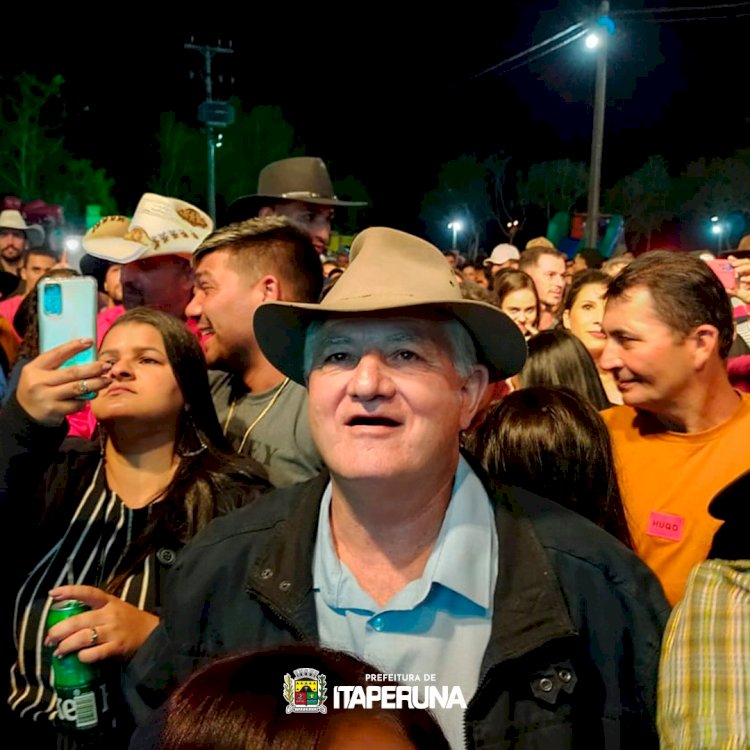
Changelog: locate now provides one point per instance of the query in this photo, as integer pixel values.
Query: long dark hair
(557, 357)
(509, 280)
(238, 703)
(209, 475)
(551, 441)
(582, 279)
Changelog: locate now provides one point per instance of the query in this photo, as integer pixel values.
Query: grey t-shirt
(280, 439)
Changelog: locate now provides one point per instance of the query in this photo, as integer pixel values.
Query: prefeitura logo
(306, 692)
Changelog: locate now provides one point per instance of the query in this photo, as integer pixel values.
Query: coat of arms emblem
(306, 692)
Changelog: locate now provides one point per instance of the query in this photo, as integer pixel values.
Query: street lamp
(456, 226)
(717, 228)
(597, 40)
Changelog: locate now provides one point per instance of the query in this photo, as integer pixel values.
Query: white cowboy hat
(12, 219)
(160, 226)
(391, 270)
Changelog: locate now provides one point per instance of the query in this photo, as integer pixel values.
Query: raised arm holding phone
(102, 522)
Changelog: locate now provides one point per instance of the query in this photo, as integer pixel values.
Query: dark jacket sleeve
(27, 449)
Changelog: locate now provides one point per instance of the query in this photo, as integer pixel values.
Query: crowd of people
(521, 481)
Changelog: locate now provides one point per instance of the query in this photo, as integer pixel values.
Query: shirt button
(564, 675)
(285, 586)
(545, 684)
(266, 574)
(378, 624)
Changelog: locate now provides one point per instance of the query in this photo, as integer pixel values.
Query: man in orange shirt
(681, 435)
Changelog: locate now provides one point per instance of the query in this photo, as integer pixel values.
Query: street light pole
(591, 234)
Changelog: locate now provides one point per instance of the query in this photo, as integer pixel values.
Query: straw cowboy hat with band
(300, 178)
(160, 226)
(12, 219)
(391, 270)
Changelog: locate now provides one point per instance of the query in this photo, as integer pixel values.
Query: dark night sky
(388, 99)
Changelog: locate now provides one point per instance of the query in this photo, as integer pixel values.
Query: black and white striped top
(100, 530)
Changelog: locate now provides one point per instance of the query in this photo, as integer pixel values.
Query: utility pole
(214, 113)
(591, 234)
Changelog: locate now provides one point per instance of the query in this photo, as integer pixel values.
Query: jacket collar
(529, 607)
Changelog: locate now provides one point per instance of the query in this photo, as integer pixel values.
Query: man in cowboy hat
(299, 188)
(154, 249)
(407, 554)
(16, 236)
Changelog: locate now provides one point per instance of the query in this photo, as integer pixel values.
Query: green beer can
(82, 698)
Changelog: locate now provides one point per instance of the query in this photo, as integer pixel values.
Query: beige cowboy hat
(160, 226)
(299, 178)
(12, 219)
(391, 270)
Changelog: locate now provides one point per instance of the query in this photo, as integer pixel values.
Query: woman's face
(584, 319)
(520, 306)
(143, 385)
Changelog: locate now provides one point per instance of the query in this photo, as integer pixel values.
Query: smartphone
(725, 271)
(67, 310)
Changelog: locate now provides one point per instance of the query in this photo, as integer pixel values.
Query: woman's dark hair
(210, 475)
(509, 280)
(26, 319)
(557, 357)
(582, 279)
(554, 443)
(238, 703)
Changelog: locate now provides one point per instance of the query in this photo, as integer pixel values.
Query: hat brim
(247, 206)
(280, 329)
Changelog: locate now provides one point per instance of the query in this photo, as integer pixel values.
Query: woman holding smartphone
(102, 522)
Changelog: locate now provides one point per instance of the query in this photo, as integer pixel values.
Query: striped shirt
(704, 679)
(91, 546)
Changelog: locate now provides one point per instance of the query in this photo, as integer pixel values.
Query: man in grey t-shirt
(237, 268)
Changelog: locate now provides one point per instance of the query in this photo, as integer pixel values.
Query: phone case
(67, 310)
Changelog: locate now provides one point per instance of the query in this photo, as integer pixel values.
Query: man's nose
(194, 308)
(370, 379)
(610, 356)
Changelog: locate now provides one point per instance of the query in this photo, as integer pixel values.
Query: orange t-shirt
(667, 480)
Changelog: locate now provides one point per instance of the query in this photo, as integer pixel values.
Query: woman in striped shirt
(102, 523)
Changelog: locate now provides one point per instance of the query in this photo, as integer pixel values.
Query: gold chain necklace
(257, 419)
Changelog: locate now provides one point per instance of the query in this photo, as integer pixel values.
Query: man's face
(549, 279)
(163, 282)
(223, 303)
(34, 268)
(385, 399)
(12, 244)
(497, 267)
(314, 218)
(651, 362)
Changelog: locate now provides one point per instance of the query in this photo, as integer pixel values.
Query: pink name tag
(666, 526)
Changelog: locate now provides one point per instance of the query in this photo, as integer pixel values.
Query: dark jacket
(572, 658)
(731, 540)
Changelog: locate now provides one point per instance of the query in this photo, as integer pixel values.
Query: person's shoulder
(581, 551)
(619, 417)
(263, 514)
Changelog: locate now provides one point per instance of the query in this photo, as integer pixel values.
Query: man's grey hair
(463, 350)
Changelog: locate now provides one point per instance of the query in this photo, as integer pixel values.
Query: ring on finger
(83, 387)
(94, 639)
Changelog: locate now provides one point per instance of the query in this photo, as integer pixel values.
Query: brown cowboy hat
(299, 178)
(391, 270)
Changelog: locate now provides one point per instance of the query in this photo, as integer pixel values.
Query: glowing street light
(597, 41)
(456, 226)
(717, 228)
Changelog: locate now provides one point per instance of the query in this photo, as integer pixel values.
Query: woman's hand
(48, 392)
(112, 628)
(742, 269)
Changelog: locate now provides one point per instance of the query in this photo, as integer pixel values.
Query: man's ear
(270, 287)
(705, 341)
(473, 390)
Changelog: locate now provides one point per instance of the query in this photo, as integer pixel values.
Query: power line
(691, 18)
(679, 9)
(532, 49)
(545, 52)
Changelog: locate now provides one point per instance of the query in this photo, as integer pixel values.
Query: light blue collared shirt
(438, 624)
